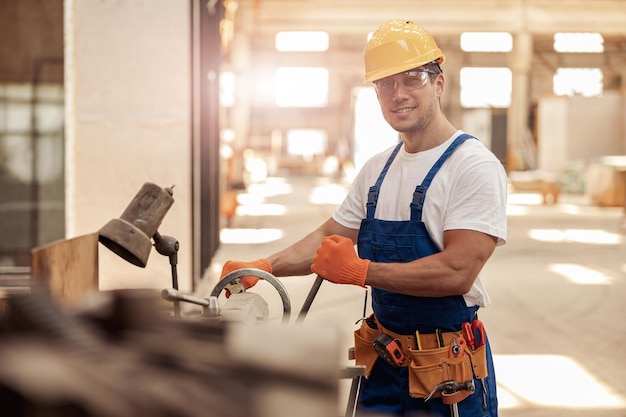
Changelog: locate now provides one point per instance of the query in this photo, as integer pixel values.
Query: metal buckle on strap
(418, 196)
(372, 195)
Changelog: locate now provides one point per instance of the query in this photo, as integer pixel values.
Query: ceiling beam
(440, 17)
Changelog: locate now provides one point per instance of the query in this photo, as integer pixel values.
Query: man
(426, 216)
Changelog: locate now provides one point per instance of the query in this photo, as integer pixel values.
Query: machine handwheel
(233, 279)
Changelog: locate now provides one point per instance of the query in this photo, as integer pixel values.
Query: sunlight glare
(313, 41)
(248, 236)
(372, 134)
(553, 380)
(262, 210)
(512, 210)
(270, 188)
(528, 199)
(579, 274)
(517, 203)
(328, 194)
(597, 237)
(506, 398)
(228, 88)
(570, 209)
(301, 87)
(307, 142)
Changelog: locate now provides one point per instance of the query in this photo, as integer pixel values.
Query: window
(306, 142)
(486, 87)
(579, 42)
(228, 88)
(486, 42)
(301, 41)
(32, 170)
(372, 134)
(301, 87)
(584, 81)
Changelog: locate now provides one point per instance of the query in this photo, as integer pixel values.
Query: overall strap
(419, 195)
(372, 195)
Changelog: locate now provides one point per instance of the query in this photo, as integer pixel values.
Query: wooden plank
(69, 267)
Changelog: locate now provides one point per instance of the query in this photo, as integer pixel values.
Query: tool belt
(430, 366)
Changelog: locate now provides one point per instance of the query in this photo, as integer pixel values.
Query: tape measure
(389, 349)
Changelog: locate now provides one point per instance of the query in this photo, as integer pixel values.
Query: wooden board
(69, 267)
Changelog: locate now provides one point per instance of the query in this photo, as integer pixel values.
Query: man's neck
(435, 135)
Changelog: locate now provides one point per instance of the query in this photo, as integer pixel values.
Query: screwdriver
(478, 331)
(418, 342)
(439, 334)
(468, 334)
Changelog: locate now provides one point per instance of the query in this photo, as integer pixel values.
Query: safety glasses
(409, 80)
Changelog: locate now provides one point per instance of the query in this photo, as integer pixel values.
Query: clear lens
(409, 80)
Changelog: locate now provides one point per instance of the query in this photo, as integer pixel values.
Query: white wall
(552, 134)
(579, 128)
(477, 122)
(128, 98)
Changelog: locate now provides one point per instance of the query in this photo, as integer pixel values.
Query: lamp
(130, 235)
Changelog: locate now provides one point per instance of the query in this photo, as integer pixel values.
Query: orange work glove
(247, 281)
(337, 261)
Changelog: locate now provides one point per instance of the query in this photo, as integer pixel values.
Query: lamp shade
(129, 236)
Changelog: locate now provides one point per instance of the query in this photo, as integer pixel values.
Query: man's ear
(440, 84)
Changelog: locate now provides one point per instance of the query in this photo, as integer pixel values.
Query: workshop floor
(557, 323)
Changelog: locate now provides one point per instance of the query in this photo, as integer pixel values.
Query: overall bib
(385, 392)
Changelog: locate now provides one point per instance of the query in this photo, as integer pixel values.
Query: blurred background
(256, 110)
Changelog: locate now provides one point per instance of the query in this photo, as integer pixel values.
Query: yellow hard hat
(398, 46)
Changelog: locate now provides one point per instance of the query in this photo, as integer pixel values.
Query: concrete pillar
(240, 113)
(451, 100)
(520, 60)
(128, 122)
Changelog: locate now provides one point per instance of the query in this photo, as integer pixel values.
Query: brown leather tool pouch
(364, 352)
(479, 362)
(430, 367)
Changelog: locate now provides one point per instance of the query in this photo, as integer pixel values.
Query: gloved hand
(247, 281)
(337, 261)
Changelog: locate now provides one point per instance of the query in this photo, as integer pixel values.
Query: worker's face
(409, 100)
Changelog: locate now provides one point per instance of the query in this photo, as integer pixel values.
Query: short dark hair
(435, 68)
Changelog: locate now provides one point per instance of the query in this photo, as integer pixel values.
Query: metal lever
(210, 306)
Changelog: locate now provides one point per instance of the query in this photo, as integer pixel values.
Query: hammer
(449, 388)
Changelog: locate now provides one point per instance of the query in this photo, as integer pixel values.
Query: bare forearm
(427, 277)
(450, 272)
(297, 259)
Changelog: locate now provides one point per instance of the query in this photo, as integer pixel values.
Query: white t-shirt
(468, 192)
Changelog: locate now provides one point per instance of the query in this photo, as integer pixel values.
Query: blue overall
(385, 392)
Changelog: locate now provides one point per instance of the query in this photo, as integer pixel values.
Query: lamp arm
(168, 246)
